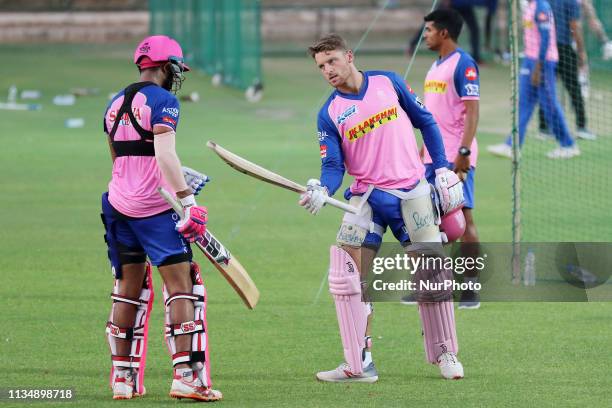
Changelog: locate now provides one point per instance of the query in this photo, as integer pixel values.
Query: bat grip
(341, 205)
(176, 205)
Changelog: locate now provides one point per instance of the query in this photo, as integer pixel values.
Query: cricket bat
(220, 257)
(260, 173)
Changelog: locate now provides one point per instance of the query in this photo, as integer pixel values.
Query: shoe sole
(469, 307)
(197, 397)
(122, 397)
(497, 154)
(563, 157)
(368, 380)
(408, 303)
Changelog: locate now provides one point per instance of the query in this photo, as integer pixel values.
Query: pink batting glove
(193, 223)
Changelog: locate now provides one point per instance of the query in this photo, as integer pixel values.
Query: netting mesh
(565, 159)
(219, 36)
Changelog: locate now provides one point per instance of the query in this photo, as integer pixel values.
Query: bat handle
(176, 205)
(341, 205)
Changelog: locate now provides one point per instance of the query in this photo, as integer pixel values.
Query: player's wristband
(188, 201)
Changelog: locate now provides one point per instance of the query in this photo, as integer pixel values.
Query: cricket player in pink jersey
(140, 122)
(538, 82)
(452, 94)
(366, 129)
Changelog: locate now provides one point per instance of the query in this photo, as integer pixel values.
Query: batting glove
(315, 196)
(193, 223)
(194, 179)
(449, 188)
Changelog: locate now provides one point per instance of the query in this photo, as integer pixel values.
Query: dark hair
(446, 19)
(330, 42)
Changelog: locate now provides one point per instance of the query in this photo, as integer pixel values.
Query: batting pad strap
(127, 333)
(190, 296)
(124, 299)
(194, 326)
(181, 357)
(126, 361)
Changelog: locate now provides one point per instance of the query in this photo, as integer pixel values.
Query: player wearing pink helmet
(141, 122)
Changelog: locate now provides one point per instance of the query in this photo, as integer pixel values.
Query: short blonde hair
(330, 42)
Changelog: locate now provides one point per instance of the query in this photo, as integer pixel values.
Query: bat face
(230, 268)
(220, 257)
(251, 169)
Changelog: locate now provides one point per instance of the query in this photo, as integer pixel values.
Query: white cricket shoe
(502, 150)
(585, 134)
(343, 374)
(450, 367)
(123, 385)
(190, 386)
(544, 135)
(606, 51)
(564, 152)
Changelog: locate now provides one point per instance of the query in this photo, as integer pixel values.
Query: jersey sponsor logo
(371, 123)
(472, 90)
(346, 114)
(321, 136)
(528, 24)
(171, 111)
(471, 74)
(323, 149)
(125, 119)
(168, 119)
(433, 86)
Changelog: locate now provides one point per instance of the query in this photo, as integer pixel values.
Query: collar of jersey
(362, 91)
(439, 61)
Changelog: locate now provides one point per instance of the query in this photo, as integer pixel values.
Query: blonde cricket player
(365, 128)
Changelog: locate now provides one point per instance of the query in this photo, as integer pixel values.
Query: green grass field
(56, 278)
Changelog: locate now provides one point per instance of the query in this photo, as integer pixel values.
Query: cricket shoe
(343, 374)
(585, 134)
(470, 299)
(544, 135)
(409, 300)
(564, 152)
(450, 367)
(123, 386)
(190, 386)
(501, 150)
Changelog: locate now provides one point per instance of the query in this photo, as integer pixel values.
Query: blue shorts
(468, 183)
(128, 238)
(386, 212)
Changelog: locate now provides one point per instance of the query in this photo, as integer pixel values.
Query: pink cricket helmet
(154, 50)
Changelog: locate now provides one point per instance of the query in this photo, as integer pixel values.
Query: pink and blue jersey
(370, 135)
(539, 33)
(135, 179)
(450, 81)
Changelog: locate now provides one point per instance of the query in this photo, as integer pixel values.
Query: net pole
(516, 173)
